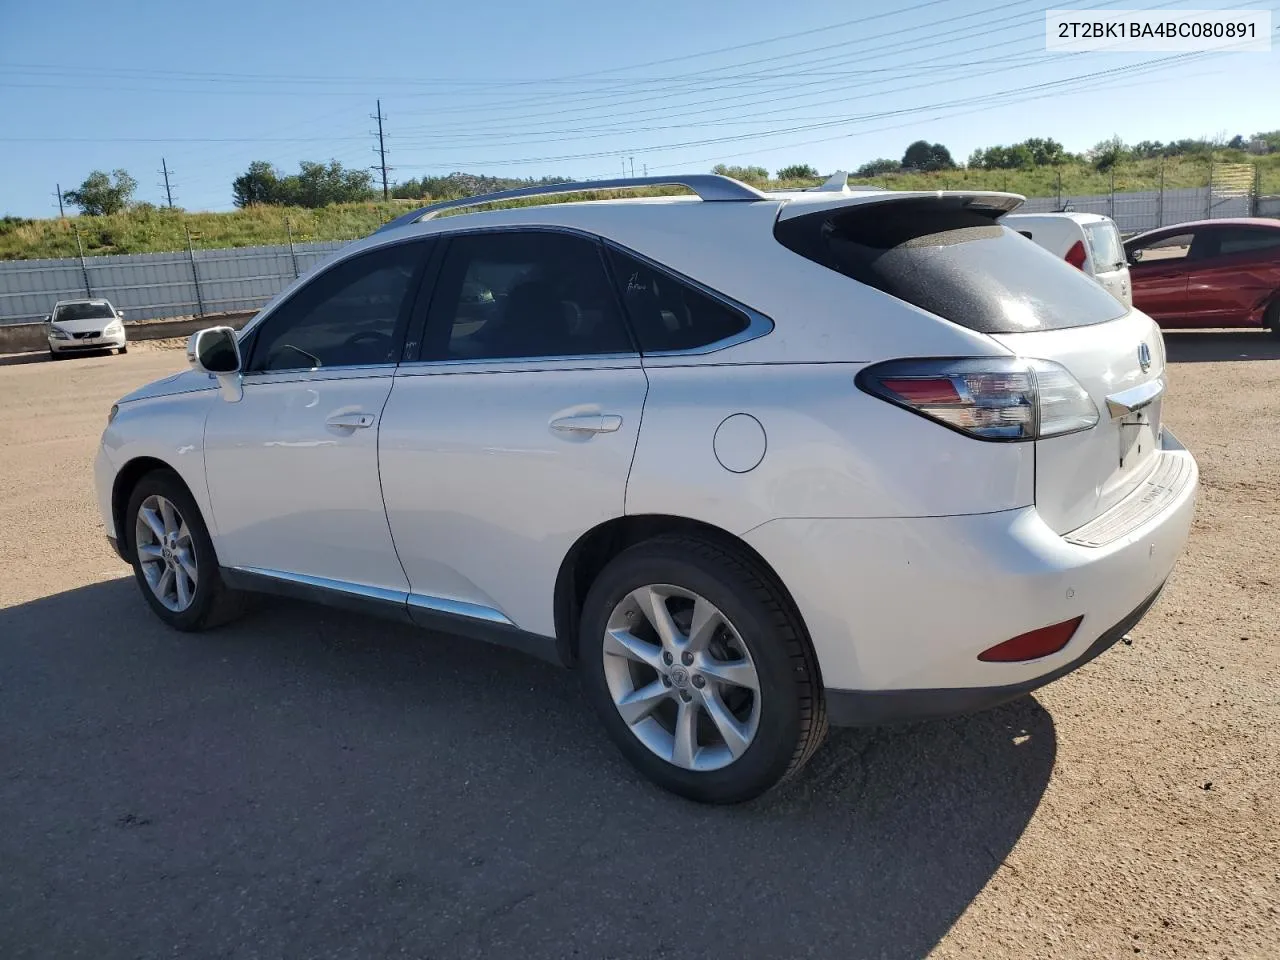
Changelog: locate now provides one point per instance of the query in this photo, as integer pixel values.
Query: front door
(1159, 277)
(514, 434)
(292, 466)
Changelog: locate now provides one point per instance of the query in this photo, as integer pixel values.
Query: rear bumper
(869, 708)
(899, 609)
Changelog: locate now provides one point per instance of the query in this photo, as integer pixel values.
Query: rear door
(1237, 277)
(514, 433)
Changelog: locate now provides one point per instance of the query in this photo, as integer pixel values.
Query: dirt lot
(307, 783)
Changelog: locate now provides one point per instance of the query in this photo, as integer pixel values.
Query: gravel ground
(310, 784)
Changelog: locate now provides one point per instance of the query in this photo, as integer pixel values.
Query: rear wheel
(700, 670)
(173, 558)
(1271, 319)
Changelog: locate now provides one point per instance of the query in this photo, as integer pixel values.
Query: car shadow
(306, 781)
(44, 356)
(1210, 346)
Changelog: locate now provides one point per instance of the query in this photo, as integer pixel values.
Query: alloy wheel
(681, 677)
(165, 553)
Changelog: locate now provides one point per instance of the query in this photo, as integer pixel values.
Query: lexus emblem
(1144, 357)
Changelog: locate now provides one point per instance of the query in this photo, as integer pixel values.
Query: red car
(1208, 273)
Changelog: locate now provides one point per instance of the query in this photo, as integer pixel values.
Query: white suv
(753, 463)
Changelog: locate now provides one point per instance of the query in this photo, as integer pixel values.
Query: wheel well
(126, 479)
(595, 548)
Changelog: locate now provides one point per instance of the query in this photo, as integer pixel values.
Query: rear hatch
(1081, 475)
(948, 255)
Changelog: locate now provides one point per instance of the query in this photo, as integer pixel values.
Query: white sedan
(751, 463)
(79, 325)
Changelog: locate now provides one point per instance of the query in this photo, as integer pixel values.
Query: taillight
(989, 398)
(1033, 645)
(1076, 256)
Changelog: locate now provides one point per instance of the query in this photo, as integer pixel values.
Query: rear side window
(951, 259)
(1104, 241)
(668, 314)
(1237, 240)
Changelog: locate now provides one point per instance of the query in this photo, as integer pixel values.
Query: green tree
(923, 155)
(797, 171)
(320, 184)
(100, 195)
(1107, 153)
(259, 185)
(741, 173)
(878, 168)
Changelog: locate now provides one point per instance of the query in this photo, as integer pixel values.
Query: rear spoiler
(993, 203)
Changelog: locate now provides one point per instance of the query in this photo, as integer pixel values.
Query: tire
(1271, 319)
(211, 603)
(54, 356)
(123, 350)
(759, 631)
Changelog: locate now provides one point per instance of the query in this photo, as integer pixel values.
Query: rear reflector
(1033, 645)
(1076, 255)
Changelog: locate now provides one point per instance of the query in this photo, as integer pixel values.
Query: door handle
(588, 423)
(351, 420)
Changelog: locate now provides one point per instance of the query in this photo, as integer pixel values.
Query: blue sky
(569, 87)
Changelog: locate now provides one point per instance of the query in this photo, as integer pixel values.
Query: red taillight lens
(1076, 256)
(991, 398)
(1033, 645)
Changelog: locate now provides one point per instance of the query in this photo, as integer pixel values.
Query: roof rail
(709, 186)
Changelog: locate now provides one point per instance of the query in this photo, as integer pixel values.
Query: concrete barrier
(29, 337)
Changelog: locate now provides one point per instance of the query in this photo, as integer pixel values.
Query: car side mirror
(48, 318)
(119, 314)
(214, 350)
(1135, 256)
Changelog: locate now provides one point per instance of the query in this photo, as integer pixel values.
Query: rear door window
(954, 260)
(1244, 240)
(523, 295)
(1104, 243)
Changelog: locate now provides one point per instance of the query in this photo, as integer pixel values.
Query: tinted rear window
(951, 259)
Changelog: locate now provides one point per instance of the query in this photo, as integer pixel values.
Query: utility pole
(624, 168)
(633, 167)
(58, 193)
(382, 149)
(646, 169)
(168, 191)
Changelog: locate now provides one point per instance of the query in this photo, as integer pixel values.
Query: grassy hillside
(150, 229)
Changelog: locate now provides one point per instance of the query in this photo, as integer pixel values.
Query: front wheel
(122, 350)
(1271, 319)
(173, 558)
(700, 670)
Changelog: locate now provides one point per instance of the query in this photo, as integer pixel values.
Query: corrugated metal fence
(150, 285)
(1147, 209)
